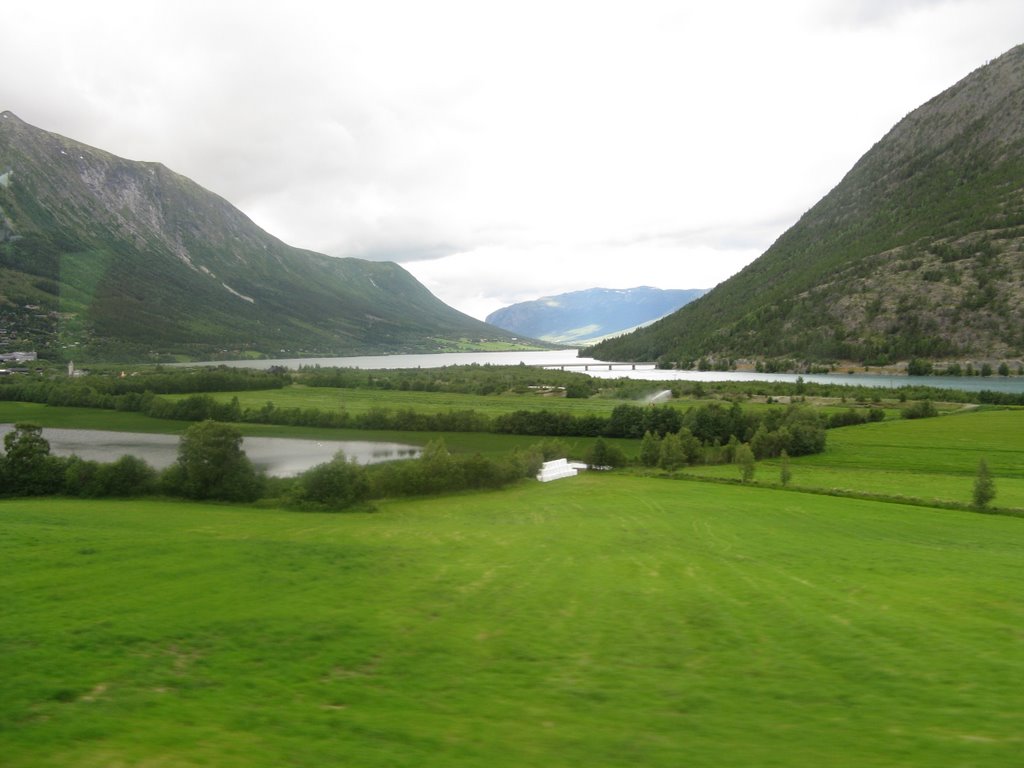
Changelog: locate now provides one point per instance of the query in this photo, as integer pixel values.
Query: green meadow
(359, 401)
(604, 620)
(929, 459)
(611, 619)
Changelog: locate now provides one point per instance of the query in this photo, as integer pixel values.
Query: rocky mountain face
(585, 317)
(107, 258)
(917, 253)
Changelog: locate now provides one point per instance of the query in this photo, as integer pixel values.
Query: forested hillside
(918, 252)
(107, 258)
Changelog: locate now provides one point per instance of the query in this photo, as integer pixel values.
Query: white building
(17, 357)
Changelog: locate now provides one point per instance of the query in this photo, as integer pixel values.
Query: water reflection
(568, 359)
(277, 456)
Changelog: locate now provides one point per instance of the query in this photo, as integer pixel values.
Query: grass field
(602, 621)
(358, 401)
(923, 458)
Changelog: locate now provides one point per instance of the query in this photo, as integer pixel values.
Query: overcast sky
(501, 151)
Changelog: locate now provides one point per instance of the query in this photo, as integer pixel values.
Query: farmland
(927, 459)
(627, 618)
(606, 620)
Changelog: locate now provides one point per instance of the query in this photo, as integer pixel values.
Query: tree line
(708, 422)
(211, 465)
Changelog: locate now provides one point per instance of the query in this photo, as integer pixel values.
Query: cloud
(499, 150)
(876, 12)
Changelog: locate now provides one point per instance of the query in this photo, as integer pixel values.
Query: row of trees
(795, 437)
(211, 465)
(463, 379)
(709, 423)
(920, 367)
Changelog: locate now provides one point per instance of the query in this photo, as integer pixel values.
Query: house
(17, 357)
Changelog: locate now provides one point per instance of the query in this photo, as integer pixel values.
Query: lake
(277, 456)
(568, 358)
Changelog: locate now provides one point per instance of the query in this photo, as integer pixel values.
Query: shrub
(922, 409)
(337, 484)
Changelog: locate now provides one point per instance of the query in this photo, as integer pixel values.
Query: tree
(602, 455)
(785, 474)
(672, 455)
(690, 445)
(918, 367)
(650, 449)
(27, 469)
(984, 486)
(745, 462)
(212, 465)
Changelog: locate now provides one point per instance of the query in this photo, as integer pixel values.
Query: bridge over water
(601, 366)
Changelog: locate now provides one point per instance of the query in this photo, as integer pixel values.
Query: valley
(858, 613)
(796, 541)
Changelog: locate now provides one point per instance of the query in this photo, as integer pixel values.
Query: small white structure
(557, 469)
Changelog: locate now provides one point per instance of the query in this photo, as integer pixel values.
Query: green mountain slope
(103, 257)
(918, 252)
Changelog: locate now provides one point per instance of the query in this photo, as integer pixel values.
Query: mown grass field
(603, 620)
(357, 401)
(929, 459)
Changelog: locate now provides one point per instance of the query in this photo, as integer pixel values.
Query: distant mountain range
(917, 253)
(585, 317)
(107, 258)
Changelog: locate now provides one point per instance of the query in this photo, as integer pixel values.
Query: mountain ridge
(580, 317)
(918, 251)
(131, 259)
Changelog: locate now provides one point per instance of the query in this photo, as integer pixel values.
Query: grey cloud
(857, 13)
(736, 236)
(403, 252)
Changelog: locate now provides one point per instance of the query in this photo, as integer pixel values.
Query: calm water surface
(277, 456)
(604, 370)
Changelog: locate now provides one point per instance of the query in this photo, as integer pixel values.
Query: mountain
(917, 253)
(107, 258)
(587, 316)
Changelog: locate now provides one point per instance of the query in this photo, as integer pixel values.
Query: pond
(277, 456)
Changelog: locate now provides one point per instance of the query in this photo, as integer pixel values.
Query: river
(277, 456)
(598, 369)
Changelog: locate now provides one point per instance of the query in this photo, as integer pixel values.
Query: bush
(338, 484)
(923, 409)
(128, 476)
